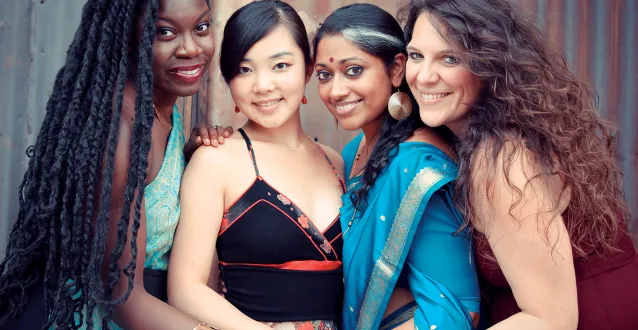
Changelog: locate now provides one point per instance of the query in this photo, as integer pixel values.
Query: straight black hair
(253, 22)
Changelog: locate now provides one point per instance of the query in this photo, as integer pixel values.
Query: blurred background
(598, 37)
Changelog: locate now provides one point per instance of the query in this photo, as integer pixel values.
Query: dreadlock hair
(60, 233)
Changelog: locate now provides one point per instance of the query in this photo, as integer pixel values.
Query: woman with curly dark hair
(538, 178)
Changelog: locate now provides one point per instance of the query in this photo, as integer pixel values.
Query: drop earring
(399, 105)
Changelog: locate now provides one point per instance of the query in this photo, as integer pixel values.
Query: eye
(281, 66)
(451, 60)
(244, 70)
(203, 27)
(323, 75)
(415, 56)
(165, 32)
(354, 71)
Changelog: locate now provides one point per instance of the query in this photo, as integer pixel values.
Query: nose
(338, 90)
(427, 74)
(264, 83)
(189, 47)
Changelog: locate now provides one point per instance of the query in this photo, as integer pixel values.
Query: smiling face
(443, 86)
(354, 85)
(271, 81)
(183, 46)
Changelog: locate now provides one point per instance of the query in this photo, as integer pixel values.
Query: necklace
(283, 144)
(159, 119)
(356, 158)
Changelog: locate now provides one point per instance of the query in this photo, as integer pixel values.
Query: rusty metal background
(598, 37)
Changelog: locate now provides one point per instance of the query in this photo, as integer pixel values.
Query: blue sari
(406, 236)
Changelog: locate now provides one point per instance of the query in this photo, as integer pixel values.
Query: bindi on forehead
(332, 60)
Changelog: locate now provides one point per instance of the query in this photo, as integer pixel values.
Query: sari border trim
(399, 317)
(385, 266)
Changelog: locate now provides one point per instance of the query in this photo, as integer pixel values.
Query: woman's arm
(202, 207)
(520, 214)
(141, 310)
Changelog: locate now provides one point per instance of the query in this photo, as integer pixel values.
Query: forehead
(278, 40)
(338, 47)
(182, 7)
(427, 36)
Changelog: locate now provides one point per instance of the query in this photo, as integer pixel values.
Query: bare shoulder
(334, 157)
(214, 160)
(509, 184)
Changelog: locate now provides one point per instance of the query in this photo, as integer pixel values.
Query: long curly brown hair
(529, 93)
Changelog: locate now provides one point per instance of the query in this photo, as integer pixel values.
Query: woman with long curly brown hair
(538, 178)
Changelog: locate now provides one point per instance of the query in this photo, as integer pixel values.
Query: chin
(350, 125)
(432, 122)
(269, 122)
(187, 91)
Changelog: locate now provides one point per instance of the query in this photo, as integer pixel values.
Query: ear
(397, 71)
(309, 70)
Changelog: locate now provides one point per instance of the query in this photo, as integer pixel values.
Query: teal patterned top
(162, 200)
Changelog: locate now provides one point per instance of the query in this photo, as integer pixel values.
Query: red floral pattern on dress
(306, 326)
(326, 246)
(303, 325)
(283, 199)
(303, 220)
(225, 223)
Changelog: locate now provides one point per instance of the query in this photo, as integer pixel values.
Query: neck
(371, 131)
(164, 104)
(290, 134)
(459, 128)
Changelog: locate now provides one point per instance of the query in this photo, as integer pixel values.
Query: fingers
(228, 131)
(219, 131)
(203, 133)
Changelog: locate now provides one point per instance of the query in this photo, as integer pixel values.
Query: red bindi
(331, 60)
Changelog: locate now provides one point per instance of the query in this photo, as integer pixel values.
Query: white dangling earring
(399, 105)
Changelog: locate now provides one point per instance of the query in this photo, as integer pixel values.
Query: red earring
(304, 100)
(237, 109)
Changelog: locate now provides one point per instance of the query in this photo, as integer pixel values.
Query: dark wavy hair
(60, 233)
(253, 22)
(530, 95)
(376, 32)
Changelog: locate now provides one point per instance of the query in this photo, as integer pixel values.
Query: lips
(433, 98)
(188, 74)
(345, 108)
(267, 103)
(268, 106)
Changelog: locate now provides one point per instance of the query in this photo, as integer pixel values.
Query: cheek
(208, 46)
(411, 72)
(161, 55)
(239, 89)
(294, 82)
(324, 92)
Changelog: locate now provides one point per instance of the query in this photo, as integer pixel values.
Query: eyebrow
(274, 56)
(353, 58)
(173, 22)
(444, 51)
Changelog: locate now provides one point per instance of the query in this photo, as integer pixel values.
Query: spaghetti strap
(249, 145)
(334, 169)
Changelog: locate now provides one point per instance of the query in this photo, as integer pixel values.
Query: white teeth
(430, 97)
(268, 104)
(347, 106)
(189, 72)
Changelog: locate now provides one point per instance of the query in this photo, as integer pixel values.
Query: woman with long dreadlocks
(99, 201)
